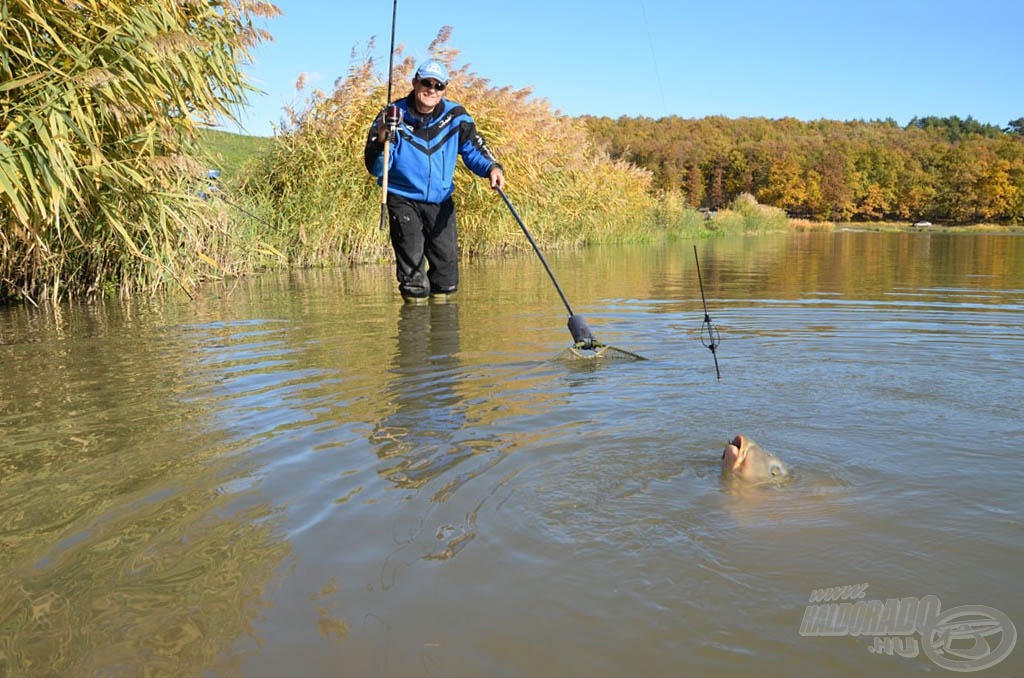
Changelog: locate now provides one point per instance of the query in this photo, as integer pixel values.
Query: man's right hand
(388, 120)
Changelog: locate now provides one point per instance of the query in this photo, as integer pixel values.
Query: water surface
(299, 473)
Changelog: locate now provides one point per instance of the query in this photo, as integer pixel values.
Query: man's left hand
(497, 178)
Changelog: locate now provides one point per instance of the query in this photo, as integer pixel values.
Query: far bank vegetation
(943, 170)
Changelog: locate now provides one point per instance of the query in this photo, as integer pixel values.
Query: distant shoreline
(902, 226)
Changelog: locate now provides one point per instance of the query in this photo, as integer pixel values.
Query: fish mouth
(730, 447)
(735, 448)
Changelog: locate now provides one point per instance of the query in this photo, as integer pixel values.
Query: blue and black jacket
(425, 149)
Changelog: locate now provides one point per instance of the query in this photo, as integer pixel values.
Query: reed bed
(99, 107)
(103, 185)
(805, 225)
(569, 192)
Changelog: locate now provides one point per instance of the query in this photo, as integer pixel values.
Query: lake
(300, 474)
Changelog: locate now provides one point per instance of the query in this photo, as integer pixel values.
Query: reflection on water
(418, 434)
(419, 439)
(300, 473)
(120, 549)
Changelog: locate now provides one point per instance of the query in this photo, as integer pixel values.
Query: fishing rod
(391, 118)
(581, 334)
(708, 332)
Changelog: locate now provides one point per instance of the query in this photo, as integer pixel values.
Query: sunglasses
(433, 84)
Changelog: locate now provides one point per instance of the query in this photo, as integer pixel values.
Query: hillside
(228, 152)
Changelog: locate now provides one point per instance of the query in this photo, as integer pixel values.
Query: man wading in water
(429, 133)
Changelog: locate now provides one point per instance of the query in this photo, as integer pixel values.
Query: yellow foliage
(100, 103)
(568, 190)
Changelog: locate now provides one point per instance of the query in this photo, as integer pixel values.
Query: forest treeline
(948, 170)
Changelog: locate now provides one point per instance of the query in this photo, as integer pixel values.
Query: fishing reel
(392, 117)
(388, 121)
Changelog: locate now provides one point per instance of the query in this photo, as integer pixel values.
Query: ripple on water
(299, 476)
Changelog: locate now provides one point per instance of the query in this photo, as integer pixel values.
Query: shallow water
(299, 474)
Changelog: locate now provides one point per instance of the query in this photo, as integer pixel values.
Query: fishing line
(708, 332)
(215, 190)
(654, 58)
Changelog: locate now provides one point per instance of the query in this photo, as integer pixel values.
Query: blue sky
(804, 59)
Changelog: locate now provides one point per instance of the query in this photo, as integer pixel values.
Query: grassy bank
(229, 152)
(901, 226)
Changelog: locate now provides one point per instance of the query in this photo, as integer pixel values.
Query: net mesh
(600, 353)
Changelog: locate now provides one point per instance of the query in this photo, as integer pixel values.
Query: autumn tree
(945, 169)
